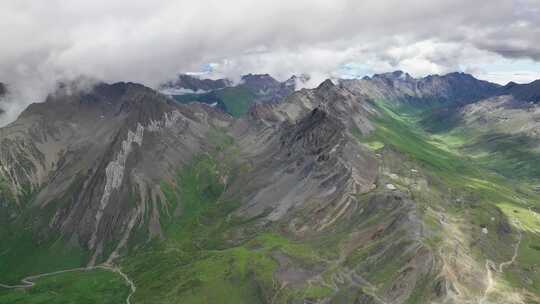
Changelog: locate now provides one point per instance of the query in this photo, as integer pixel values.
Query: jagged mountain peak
(511, 84)
(400, 75)
(395, 75)
(259, 81)
(315, 133)
(94, 157)
(101, 99)
(354, 111)
(458, 74)
(326, 85)
(97, 92)
(460, 77)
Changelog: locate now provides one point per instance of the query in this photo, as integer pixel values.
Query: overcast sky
(151, 41)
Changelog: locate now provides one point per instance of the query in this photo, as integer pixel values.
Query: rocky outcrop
(311, 165)
(305, 158)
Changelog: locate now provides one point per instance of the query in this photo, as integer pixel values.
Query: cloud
(150, 41)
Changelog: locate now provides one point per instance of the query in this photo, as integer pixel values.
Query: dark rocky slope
(92, 160)
(529, 92)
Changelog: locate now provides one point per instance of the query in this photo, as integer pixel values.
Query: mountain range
(235, 99)
(386, 189)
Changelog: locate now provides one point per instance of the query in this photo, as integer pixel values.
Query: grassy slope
(237, 100)
(511, 155)
(208, 98)
(487, 194)
(20, 256)
(24, 251)
(96, 286)
(234, 100)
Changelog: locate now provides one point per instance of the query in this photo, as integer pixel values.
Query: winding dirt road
(28, 282)
(490, 266)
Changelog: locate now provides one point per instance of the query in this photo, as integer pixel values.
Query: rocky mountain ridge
(529, 92)
(432, 90)
(78, 152)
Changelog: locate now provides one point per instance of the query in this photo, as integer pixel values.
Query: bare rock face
(311, 165)
(353, 110)
(93, 158)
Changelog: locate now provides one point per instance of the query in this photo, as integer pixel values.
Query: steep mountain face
(433, 90)
(92, 160)
(308, 157)
(331, 98)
